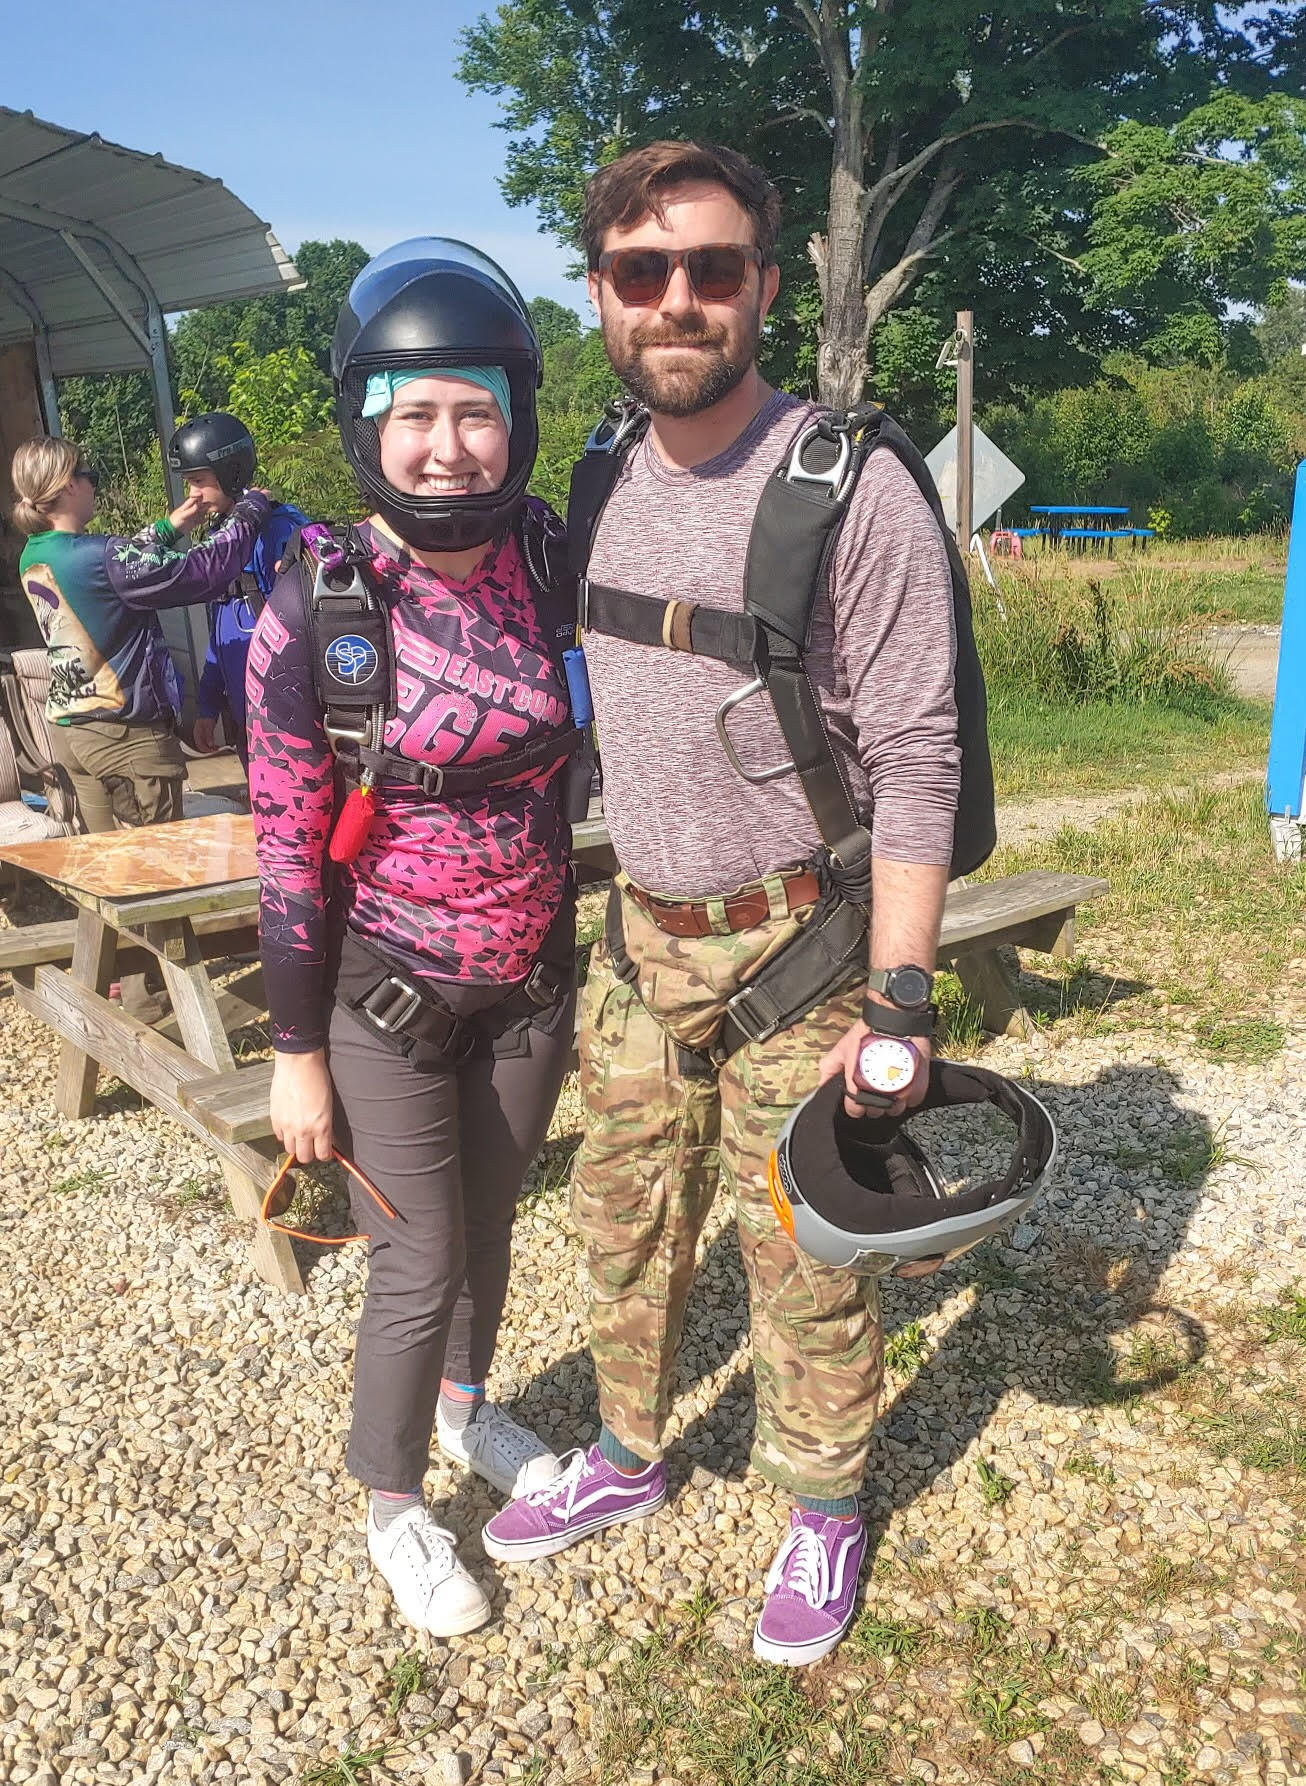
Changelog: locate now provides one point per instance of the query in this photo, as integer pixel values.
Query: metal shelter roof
(96, 239)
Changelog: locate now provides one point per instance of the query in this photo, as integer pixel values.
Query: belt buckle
(432, 779)
(395, 1009)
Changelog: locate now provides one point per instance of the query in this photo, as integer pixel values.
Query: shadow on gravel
(1067, 1307)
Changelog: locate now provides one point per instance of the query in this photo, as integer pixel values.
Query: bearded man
(720, 874)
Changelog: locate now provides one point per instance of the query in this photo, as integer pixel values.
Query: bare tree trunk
(845, 327)
(854, 295)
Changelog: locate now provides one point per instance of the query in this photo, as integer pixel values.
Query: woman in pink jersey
(417, 910)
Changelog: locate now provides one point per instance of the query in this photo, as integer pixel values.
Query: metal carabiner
(756, 776)
(838, 479)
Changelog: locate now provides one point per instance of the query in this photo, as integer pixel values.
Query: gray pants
(448, 1149)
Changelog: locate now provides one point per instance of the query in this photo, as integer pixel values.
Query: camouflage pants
(657, 1140)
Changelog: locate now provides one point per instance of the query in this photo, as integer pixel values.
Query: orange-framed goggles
(280, 1194)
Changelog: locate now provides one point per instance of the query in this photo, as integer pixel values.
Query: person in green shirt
(114, 690)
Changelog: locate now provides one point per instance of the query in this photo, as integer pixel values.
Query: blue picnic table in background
(1083, 524)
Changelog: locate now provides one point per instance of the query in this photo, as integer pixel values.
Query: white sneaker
(509, 1456)
(431, 1588)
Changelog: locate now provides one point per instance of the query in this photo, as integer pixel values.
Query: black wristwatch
(907, 987)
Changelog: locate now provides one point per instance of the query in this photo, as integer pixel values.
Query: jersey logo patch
(350, 660)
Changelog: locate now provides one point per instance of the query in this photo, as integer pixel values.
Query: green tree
(286, 319)
(1281, 332)
(111, 419)
(555, 323)
(280, 396)
(923, 134)
(1195, 216)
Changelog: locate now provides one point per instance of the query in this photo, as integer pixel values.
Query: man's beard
(682, 390)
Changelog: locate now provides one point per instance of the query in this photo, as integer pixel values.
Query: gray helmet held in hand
(859, 1193)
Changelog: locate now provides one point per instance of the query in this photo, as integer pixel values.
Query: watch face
(911, 986)
(886, 1064)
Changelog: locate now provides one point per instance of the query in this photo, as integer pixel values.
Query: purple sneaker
(811, 1588)
(589, 1494)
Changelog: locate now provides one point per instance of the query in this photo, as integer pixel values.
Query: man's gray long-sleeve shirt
(880, 658)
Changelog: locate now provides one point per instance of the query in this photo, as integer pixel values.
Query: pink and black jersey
(457, 889)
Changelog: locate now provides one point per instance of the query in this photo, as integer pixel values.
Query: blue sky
(326, 118)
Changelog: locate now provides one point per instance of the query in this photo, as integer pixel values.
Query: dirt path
(1031, 821)
(1251, 654)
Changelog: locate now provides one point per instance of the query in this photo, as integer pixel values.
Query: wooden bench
(1033, 911)
(220, 934)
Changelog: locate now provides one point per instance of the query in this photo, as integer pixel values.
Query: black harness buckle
(543, 984)
(391, 1005)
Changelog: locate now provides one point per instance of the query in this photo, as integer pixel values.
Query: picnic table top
(151, 873)
(1076, 508)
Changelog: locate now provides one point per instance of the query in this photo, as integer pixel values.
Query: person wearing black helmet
(409, 720)
(114, 690)
(216, 455)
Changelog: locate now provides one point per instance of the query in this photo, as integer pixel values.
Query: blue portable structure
(1285, 794)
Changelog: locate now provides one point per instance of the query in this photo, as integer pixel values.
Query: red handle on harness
(354, 824)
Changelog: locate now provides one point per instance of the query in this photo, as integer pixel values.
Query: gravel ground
(184, 1589)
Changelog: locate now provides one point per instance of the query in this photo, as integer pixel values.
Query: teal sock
(841, 1507)
(621, 1455)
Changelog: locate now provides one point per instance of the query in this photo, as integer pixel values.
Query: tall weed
(1069, 643)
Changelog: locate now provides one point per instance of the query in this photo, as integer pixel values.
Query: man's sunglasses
(90, 474)
(716, 272)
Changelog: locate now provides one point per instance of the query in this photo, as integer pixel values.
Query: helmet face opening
(429, 303)
(861, 1194)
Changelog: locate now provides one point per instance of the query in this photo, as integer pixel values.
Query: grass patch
(1097, 684)
(1197, 907)
(1250, 1043)
(960, 1022)
(995, 1487)
(1044, 748)
(905, 1348)
(1287, 1319)
(716, 1719)
(877, 1634)
(1187, 1157)
(94, 1178)
(405, 1676)
(1004, 1712)
(354, 1766)
(549, 1173)
(1081, 1463)
(1271, 1437)
(1110, 1703)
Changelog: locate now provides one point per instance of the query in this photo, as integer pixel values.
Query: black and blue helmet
(427, 303)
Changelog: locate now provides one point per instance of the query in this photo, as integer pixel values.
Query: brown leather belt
(743, 911)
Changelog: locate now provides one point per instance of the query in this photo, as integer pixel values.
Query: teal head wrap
(381, 386)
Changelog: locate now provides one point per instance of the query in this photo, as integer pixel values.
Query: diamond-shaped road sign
(996, 478)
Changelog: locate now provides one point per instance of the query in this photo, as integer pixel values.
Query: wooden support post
(965, 428)
(95, 947)
(985, 979)
(198, 1019)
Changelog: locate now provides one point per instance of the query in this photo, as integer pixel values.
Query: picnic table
(1083, 524)
(186, 894)
(179, 895)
